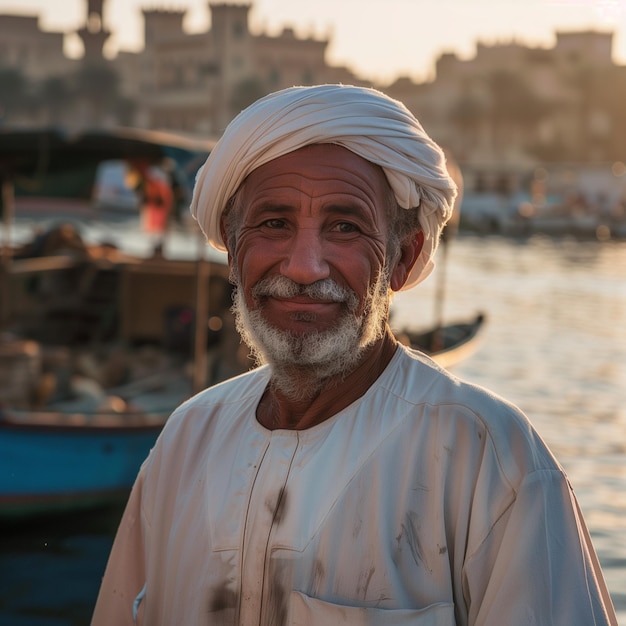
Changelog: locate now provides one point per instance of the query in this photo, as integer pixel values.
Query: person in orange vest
(157, 198)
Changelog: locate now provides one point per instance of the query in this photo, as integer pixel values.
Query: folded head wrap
(365, 121)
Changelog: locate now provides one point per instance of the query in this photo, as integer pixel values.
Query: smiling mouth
(302, 303)
(301, 309)
(304, 299)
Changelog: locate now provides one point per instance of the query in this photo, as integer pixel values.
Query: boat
(97, 353)
(57, 462)
(98, 344)
(447, 343)
(450, 344)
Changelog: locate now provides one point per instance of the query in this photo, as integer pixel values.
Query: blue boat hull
(48, 468)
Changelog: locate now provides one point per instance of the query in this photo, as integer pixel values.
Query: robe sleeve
(537, 565)
(125, 574)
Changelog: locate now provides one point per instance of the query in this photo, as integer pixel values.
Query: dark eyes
(339, 227)
(274, 223)
(346, 227)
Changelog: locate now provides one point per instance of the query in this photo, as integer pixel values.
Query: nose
(304, 262)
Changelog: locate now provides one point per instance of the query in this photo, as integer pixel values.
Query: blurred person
(157, 200)
(348, 479)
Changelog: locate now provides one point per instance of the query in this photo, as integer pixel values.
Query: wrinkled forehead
(317, 165)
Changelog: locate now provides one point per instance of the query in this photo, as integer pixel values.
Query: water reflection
(50, 568)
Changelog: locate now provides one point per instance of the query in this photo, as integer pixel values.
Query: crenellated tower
(93, 33)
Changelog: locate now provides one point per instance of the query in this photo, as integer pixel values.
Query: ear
(410, 249)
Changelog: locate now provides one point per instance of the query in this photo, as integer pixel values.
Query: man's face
(311, 255)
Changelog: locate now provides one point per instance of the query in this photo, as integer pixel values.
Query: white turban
(365, 121)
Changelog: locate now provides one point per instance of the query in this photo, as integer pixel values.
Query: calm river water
(554, 344)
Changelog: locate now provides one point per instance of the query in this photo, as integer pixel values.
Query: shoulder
(450, 403)
(221, 406)
(232, 391)
(415, 378)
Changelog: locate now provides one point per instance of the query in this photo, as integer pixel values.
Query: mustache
(325, 289)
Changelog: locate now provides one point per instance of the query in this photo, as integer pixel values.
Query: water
(50, 571)
(554, 344)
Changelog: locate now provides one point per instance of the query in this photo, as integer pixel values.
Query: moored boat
(55, 462)
(90, 374)
(447, 343)
(450, 344)
(97, 344)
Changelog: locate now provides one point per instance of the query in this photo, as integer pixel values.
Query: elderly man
(349, 480)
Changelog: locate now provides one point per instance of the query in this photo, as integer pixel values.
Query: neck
(325, 397)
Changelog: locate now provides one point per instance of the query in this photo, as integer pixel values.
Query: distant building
(199, 82)
(93, 33)
(511, 106)
(500, 112)
(24, 46)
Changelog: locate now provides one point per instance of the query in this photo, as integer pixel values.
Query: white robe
(427, 501)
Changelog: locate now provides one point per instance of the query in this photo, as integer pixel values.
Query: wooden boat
(97, 346)
(91, 369)
(54, 462)
(448, 345)
(452, 342)
(86, 447)
(90, 372)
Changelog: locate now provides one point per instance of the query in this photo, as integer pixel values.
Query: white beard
(319, 355)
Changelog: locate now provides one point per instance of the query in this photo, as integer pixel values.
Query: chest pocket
(307, 611)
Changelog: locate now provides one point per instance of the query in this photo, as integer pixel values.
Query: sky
(379, 40)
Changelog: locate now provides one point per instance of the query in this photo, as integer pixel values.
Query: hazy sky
(377, 39)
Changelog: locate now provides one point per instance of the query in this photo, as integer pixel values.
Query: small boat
(57, 462)
(450, 344)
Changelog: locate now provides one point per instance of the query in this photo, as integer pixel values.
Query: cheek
(358, 268)
(252, 262)
(249, 254)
